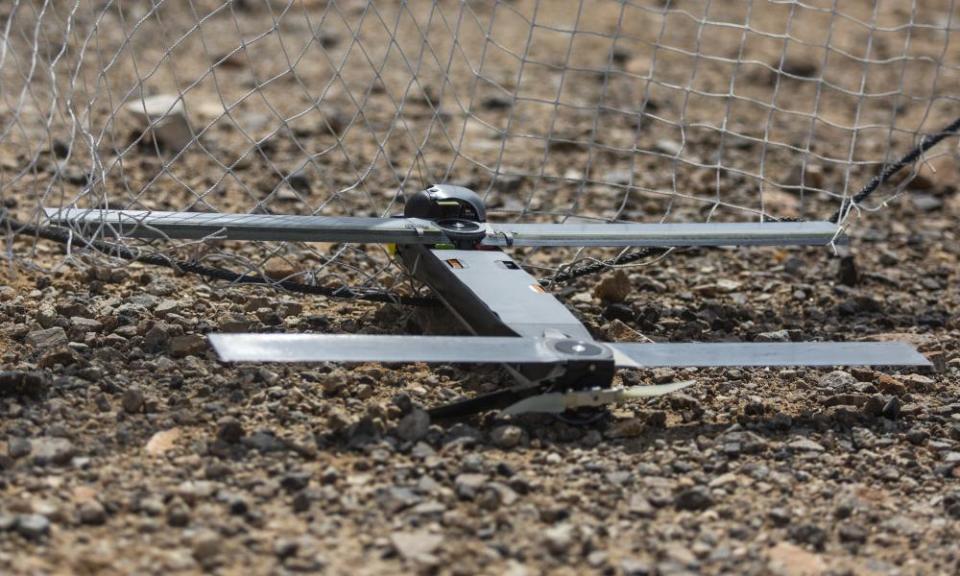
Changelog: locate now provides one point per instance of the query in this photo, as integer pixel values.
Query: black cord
(601, 265)
(928, 142)
(64, 236)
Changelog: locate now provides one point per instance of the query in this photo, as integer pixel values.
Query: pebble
(415, 545)
(47, 338)
(805, 445)
(33, 526)
(92, 513)
(559, 538)
(776, 336)
(18, 447)
(187, 345)
(207, 545)
(694, 499)
(414, 426)
(51, 450)
(506, 437)
(21, 383)
(469, 485)
(614, 287)
(133, 400)
(662, 375)
(230, 430)
(838, 380)
(847, 273)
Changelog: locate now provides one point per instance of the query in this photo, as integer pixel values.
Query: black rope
(926, 143)
(64, 236)
(601, 265)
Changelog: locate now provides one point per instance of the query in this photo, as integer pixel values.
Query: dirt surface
(126, 447)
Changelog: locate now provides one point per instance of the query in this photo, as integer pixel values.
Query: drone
(444, 240)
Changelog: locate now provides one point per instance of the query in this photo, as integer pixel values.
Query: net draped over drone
(445, 241)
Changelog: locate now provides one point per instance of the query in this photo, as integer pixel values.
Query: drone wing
(266, 227)
(623, 234)
(720, 354)
(509, 350)
(375, 348)
(289, 227)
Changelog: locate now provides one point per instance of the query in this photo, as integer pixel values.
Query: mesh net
(645, 111)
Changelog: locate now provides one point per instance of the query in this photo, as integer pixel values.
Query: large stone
(695, 498)
(33, 526)
(164, 120)
(415, 545)
(162, 442)
(48, 338)
(614, 288)
(506, 437)
(187, 345)
(414, 425)
(52, 450)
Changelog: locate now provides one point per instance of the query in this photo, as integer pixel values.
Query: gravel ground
(126, 447)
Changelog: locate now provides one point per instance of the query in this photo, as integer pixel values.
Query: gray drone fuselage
(492, 295)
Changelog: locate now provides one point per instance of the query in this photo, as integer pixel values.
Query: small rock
(506, 437)
(497, 102)
(18, 447)
(695, 498)
(414, 426)
(852, 533)
(166, 307)
(178, 514)
(207, 545)
(230, 430)
(133, 400)
(15, 383)
(805, 445)
(890, 385)
(837, 380)
(278, 268)
(873, 407)
(164, 118)
(663, 375)
(670, 147)
(47, 339)
(779, 516)
(265, 441)
(640, 506)
(92, 513)
(847, 271)
(48, 449)
(187, 345)
(415, 545)
(156, 338)
(162, 441)
(614, 288)
(33, 526)
(891, 409)
(295, 481)
(299, 180)
(559, 538)
(776, 336)
(469, 485)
